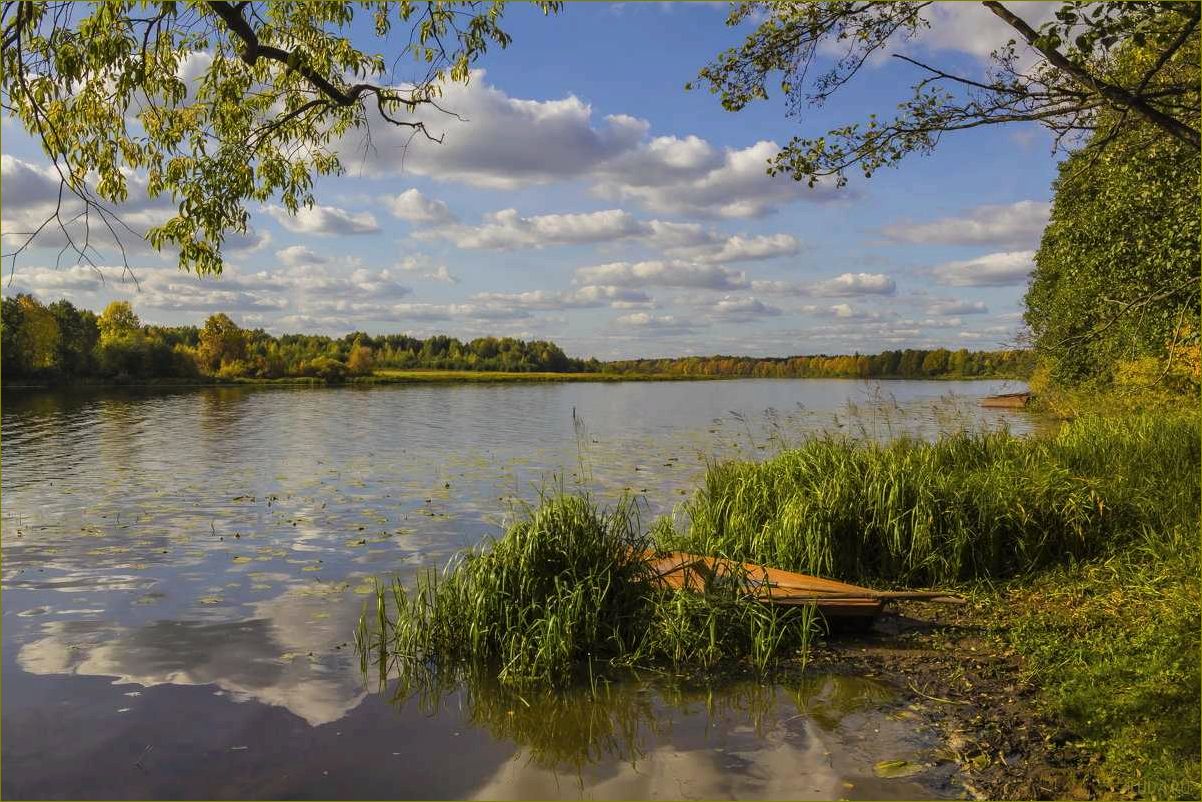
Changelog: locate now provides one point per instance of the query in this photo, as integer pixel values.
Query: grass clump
(969, 505)
(567, 592)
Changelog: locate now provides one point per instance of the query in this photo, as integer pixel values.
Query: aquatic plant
(969, 505)
(565, 593)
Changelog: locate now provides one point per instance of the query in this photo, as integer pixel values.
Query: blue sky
(590, 200)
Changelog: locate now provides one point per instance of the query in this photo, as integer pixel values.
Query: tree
(1117, 274)
(360, 361)
(38, 337)
(221, 342)
(117, 321)
(1075, 87)
(78, 336)
(935, 362)
(104, 87)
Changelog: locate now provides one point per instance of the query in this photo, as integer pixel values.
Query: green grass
(564, 594)
(969, 505)
(1093, 532)
(1113, 645)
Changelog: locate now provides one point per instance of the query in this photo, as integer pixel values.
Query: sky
(587, 198)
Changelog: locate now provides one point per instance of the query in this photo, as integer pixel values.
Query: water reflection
(186, 542)
(648, 737)
(279, 654)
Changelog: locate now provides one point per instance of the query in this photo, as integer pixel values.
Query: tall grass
(969, 505)
(564, 594)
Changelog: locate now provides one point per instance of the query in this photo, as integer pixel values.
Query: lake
(183, 570)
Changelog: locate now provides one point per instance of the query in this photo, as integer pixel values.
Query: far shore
(434, 376)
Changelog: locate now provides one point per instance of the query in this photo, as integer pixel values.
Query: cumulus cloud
(31, 193)
(971, 28)
(957, 307)
(559, 140)
(421, 266)
(849, 284)
(506, 230)
(991, 270)
(414, 207)
(660, 273)
(674, 176)
(741, 248)
(473, 311)
(296, 255)
(662, 324)
(1014, 224)
(303, 289)
(582, 298)
(325, 220)
(501, 142)
(742, 310)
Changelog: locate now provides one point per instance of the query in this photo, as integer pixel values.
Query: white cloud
(742, 310)
(592, 296)
(325, 220)
(991, 270)
(856, 284)
(423, 311)
(414, 207)
(741, 248)
(504, 143)
(420, 265)
(501, 142)
(506, 229)
(659, 273)
(31, 193)
(957, 307)
(663, 324)
(973, 29)
(675, 176)
(1015, 224)
(297, 255)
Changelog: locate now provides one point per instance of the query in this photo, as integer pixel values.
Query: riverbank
(432, 376)
(1073, 672)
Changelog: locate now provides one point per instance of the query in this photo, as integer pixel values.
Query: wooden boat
(1006, 400)
(684, 571)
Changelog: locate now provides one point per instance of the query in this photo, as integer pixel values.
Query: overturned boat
(840, 600)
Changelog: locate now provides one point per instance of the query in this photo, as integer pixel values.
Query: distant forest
(59, 343)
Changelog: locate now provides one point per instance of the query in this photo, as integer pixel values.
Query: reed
(564, 594)
(969, 505)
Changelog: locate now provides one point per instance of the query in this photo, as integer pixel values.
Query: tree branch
(1115, 94)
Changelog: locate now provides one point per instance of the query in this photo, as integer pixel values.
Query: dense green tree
(1117, 270)
(78, 337)
(102, 86)
(1076, 86)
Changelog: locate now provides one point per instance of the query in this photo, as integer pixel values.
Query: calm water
(182, 572)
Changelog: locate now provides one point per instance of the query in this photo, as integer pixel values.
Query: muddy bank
(952, 673)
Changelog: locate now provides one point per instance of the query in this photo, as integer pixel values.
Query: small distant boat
(1006, 400)
(684, 571)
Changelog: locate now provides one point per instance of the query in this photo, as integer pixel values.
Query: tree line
(60, 342)
(911, 363)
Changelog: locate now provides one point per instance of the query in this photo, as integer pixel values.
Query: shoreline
(422, 376)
